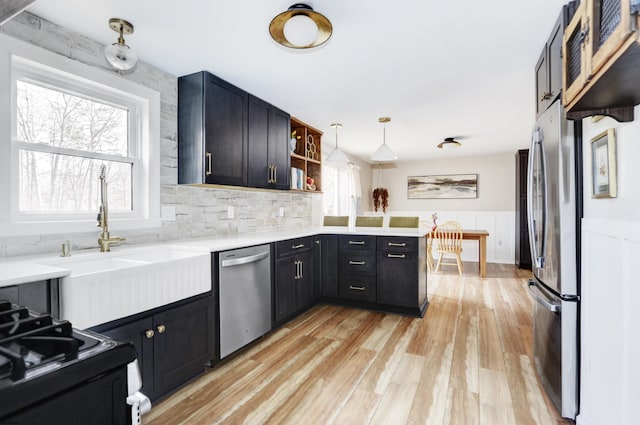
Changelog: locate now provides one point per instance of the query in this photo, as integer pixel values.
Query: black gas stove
(51, 373)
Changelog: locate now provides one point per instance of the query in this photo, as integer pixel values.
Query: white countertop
(14, 271)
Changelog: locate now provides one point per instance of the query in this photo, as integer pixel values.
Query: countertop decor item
(119, 55)
(300, 27)
(380, 198)
(384, 152)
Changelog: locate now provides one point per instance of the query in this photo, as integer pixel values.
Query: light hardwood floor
(468, 361)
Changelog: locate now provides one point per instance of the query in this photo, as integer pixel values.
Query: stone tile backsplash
(200, 212)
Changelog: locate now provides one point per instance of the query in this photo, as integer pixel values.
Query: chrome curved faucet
(104, 240)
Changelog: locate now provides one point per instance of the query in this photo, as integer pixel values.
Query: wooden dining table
(481, 237)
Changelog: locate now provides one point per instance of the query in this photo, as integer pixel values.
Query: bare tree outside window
(64, 140)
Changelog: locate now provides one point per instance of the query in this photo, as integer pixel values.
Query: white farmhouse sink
(102, 287)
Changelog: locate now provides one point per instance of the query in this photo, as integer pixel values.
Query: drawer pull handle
(356, 242)
(209, 167)
(395, 255)
(297, 246)
(396, 244)
(357, 288)
(161, 329)
(357, 263)
(149, 334)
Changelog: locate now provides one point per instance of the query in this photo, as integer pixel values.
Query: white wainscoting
(499, 224)
(610, 323)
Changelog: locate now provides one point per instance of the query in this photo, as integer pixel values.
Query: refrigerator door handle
(538, 296)
(537, 148)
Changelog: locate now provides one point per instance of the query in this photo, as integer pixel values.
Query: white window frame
(20, 60)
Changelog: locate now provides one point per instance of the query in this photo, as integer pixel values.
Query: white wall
(496, 182)
(610, 347)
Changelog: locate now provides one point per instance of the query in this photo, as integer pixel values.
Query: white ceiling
(437, 68)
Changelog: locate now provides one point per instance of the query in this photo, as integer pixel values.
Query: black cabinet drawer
(361, 288)
(293, 246)
(397, 244)
(357, 243)
(358, 262)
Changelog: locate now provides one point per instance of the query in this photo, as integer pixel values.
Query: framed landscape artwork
(603, 165)
(450, 186)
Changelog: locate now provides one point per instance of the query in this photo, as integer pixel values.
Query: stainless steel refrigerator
(552, 213)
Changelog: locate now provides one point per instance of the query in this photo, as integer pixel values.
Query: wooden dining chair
(449, 241)
(369, 221)
(429, 236)
(335, 220)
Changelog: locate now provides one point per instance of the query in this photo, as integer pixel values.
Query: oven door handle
(538, 296)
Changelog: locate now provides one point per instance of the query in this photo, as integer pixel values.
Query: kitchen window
(66, 119)
(337, 187)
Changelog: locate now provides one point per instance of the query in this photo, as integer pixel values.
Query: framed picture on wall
(603, 165)
(449, 186)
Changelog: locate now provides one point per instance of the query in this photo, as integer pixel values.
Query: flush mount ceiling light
(449, 143)
(119, 55)
(300, 27)
(337, 157)
(384, 152)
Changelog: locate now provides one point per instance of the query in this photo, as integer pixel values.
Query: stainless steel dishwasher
(245, 296)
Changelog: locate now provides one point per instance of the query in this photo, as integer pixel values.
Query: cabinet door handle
(297, 263)
(161, 329)
(395, 255)
(356, 242)
(149, 334)
(396, 244)
(357, 288)
(209, 165)
(269, 174)
(301, 245)
(317, 242)
(357, 263)
(301, 270)
(275, 174)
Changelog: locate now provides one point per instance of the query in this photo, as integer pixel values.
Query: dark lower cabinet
(41, 296)
(402, 273)
(327, 266)
(398, 279)
(173, 344)
(295, 279)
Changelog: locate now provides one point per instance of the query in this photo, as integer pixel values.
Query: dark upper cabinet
(227, 136)
(212, 131)
(549, 66)
(269, 134)
(522, 250)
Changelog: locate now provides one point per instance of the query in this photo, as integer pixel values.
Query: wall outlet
(230, 212)
(281, 212)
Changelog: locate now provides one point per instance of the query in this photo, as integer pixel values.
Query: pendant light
(119, 55)
(384, 152)
(337, 157)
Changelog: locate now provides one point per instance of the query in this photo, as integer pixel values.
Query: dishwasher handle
(245, 260)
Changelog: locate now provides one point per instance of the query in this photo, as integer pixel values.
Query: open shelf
(307, 156)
